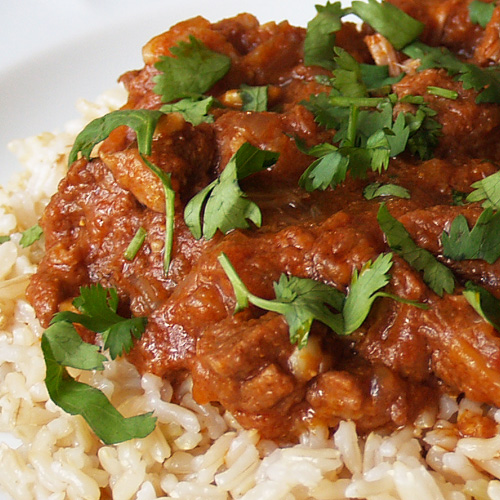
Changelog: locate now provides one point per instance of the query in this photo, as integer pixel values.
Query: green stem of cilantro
(441, 92)
(243, 295)
(136, 244)
(361, 102)
(352, 127)
(169, 192)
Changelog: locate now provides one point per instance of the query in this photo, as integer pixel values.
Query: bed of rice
(196, 452)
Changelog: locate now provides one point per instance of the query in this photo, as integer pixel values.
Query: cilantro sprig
(436, 275)
(481, 12)
(222, 205)
(63, 347)
(480, 242)
(192, 71)
(302, 301)
(486, 190)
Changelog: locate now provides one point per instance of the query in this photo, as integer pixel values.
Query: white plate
(57, 51)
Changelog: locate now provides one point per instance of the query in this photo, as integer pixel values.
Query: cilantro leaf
(30, 236)
(193, 70)
(347, 76)
(68, 349)
(254, 98)
(376, 189)
(481, 242)
(4, 239)
(78, 398)
(487, 189)
(486, 81)
(436, 275)
(328, 171)
(363, 291)
(98, 307)
(377, 78)
(142, 121)
(222, 204)
(481, 12)
(484, 302)
(320, 35)
(193, 110)
(390, 21)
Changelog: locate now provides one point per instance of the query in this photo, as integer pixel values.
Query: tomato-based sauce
(402, 357)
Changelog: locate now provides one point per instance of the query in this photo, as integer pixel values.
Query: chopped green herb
(136, 244)
(484, 302)
(320, 35)
(30, 236)
(62, 347)
(441, 92)
(481, 12)
(436, 275)
(481, 242)
(487, 190)
(390, 21)
(254, 98)
(376, 189)
(193, 110)
(303, 300)
(194, 70)
(4, 239)
(98, 307)
(168, 191)
(486, 81)
(222, 204)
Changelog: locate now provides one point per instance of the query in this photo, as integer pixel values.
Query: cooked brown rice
(196, 452)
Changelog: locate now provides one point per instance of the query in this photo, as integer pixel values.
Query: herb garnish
(481, 12)
(481, 242)
(484, 303)
(193, 110)
(222, 204)
(376, 189)
(390, 21)
(387, 19)
(320, 35)
(194, 70)
(254, 98)
(436, 275)
(486, 81)
(135, 244)
(62, 347)
(303, 300)
(487, 190)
